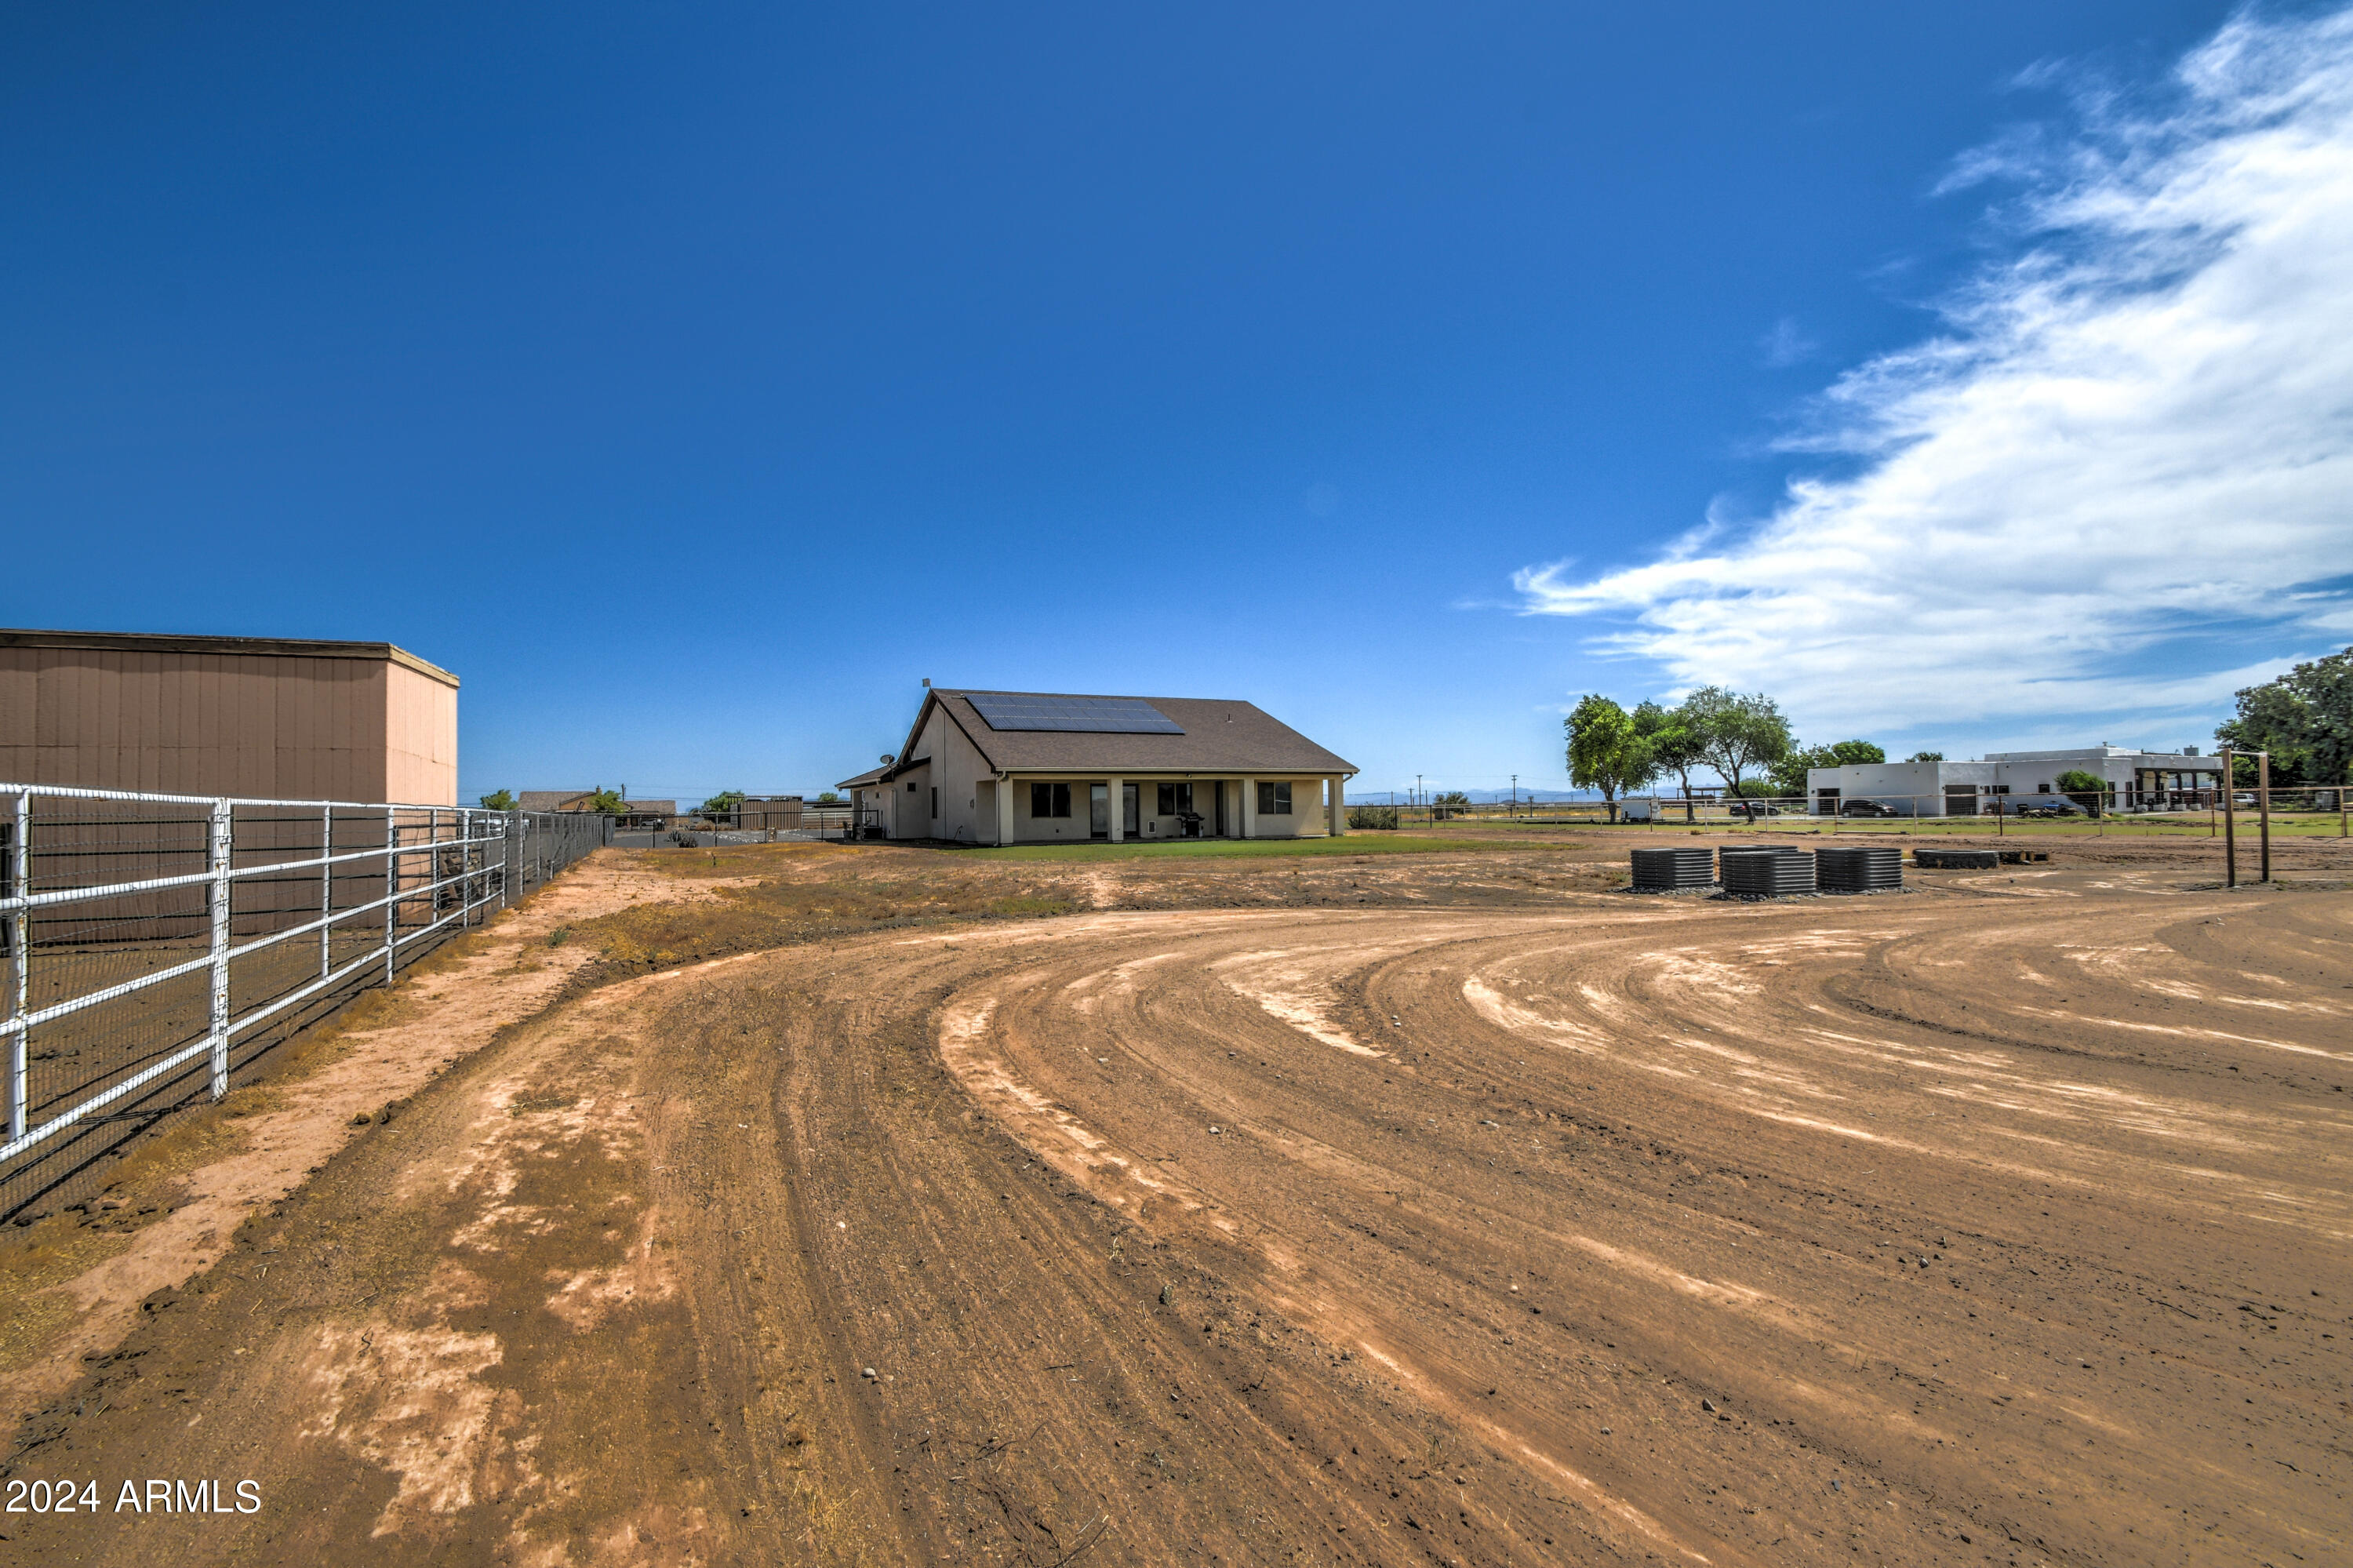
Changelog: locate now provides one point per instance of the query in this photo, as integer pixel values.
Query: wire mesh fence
(157, 946)
(816, 821)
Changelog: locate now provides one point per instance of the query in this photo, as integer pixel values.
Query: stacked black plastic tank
(1870, 869)
(1766, 872)
(1666, 870)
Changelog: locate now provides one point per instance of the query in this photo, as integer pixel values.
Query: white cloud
(2136, 429)
(1785, 344)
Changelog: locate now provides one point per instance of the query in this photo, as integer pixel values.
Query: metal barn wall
(253, 717)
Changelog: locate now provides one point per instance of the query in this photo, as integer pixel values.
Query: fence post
(391, 889)
(2230, 823)
(217, 861)
(326, 889)
(2264, 810)
(20, 964)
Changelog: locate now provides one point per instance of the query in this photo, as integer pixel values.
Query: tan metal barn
(259, 717)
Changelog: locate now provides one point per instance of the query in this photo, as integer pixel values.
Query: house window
(1274, 799)
(1176, 800)
(1049, 799)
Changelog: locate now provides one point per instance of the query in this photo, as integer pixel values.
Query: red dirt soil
(2004, 1220)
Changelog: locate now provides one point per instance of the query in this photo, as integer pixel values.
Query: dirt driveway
(2005, 1221)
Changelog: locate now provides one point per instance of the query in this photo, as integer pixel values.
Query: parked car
(1868, 808)
(2038, 806)
(1753, 810)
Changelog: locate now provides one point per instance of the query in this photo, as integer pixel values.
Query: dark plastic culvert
(1768, 874)
(1663, 870)
(1866, 869)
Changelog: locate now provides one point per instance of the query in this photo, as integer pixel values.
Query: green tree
(1789, 774)
(2305, 719)
(829, 798)
(608, 801)
(1604, 751)
(498, 800)
(1675, 745)
(1738, 731)
(2088, 791)
(1926, 757)
(722, 804)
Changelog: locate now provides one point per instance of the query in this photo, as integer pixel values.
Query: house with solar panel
(1004, 767)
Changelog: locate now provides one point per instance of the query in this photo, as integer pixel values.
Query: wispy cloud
(1785, 344)
(2135, 431)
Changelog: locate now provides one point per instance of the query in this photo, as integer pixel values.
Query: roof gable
(1218, 735)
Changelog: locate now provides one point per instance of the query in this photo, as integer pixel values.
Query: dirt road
(2005, 1222)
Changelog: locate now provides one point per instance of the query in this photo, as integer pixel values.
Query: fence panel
(158, 946)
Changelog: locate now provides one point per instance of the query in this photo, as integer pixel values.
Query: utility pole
(1515, 794)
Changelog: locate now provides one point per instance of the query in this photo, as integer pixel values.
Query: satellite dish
(888, 759)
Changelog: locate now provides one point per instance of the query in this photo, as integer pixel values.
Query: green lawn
(1350, 843)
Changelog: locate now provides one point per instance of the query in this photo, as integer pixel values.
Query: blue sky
(695, 381)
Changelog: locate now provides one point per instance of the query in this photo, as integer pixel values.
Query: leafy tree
(1789, 773)
(829, 798)
(1675, 745)
(1926, 757)
(2088, 791)
(722, 804)
(1448, 804)
(2305, 719)
(1605, 753)
(608, 801)
(498, 800)
(1738, 731)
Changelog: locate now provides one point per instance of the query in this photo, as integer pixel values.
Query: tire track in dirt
(1679, 1139)
(1986, 1229)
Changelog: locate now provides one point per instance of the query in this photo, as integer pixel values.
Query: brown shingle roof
(1221, 736)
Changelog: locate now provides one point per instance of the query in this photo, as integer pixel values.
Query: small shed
(258, 717)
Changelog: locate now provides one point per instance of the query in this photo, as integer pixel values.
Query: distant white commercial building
(2140, 780)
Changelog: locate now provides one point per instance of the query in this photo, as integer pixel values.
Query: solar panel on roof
(1103, 715)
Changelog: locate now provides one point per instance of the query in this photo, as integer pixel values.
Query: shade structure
(1869, 869)
(1664, 869)
(1958, 859)
(1768, 873)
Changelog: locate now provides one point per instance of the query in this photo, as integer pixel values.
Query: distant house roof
(871, 776)
(1198, 735)
(580, 800)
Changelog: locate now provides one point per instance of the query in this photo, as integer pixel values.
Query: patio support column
(1339, 811)
(1248, 813)
(1005, 788)
(1118, 810)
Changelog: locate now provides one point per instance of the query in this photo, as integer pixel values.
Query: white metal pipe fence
(157, 945)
